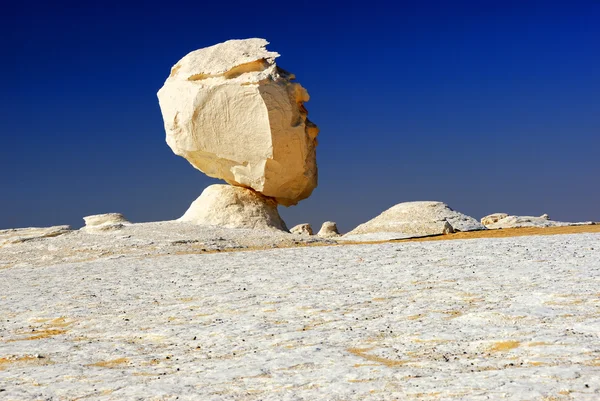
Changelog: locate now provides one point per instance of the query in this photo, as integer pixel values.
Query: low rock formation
(302, 229)
(329, 229)
(20, 235)
(492, 218)
(234, 114)
(104, 222)
(531, 221)
(413, 219)
(234, 207)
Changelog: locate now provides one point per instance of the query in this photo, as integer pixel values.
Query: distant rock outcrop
(529, 221)
(328, 230)
(492, 218)
(20, 235)
(232, 113)
(302, 229)
(104, 222)
(234, 207)
(414, 219)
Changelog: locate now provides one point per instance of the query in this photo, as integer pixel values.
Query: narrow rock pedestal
(234, 207)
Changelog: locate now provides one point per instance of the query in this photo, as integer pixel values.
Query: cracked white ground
(513, 318)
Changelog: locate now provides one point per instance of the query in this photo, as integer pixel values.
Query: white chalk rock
(104, 222)
(448, 229)
(329, 229)
(413, 219)
(234, 115)
(19, 235)
(234, 207)
(492, 218)
(532, 221)
(302, 229)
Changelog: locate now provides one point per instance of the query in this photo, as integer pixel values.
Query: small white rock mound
(302, 229)
(234, 207)
(231, 112)
(104, 222)
(328, 230)
(531, 221)
(492, 218)
(413, 219)
(448, 229)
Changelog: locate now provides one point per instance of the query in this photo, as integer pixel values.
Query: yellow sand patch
(362, 352)
(421, 395)
(538, 343)
(114, 363)
(4, 362)
(504, 346)
(452, 314)
(510, 232)
(379, 299)
(51, 328)
(432, 340)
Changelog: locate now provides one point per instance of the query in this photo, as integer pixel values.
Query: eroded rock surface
(104, 222)
(414, 219)
(329, 229)
(492, 218)
(234, 207)
(20, 235)
(532, 221)
(235, 115)
(302, 229)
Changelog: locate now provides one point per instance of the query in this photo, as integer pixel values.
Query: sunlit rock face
(104, 222)
(493, 218)
(414, 219)
(234, 207)
(235, 115)
(302, 229)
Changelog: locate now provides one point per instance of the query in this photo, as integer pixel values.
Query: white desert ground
(225, 303)
(152, 313)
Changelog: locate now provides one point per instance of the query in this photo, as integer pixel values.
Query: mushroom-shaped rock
(492, 218)
(234, 207)
(329, 229)
(234, 115)
(104, 222)
(414, 219)
(302, 229)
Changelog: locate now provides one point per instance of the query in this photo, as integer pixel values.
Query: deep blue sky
(489, 106)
